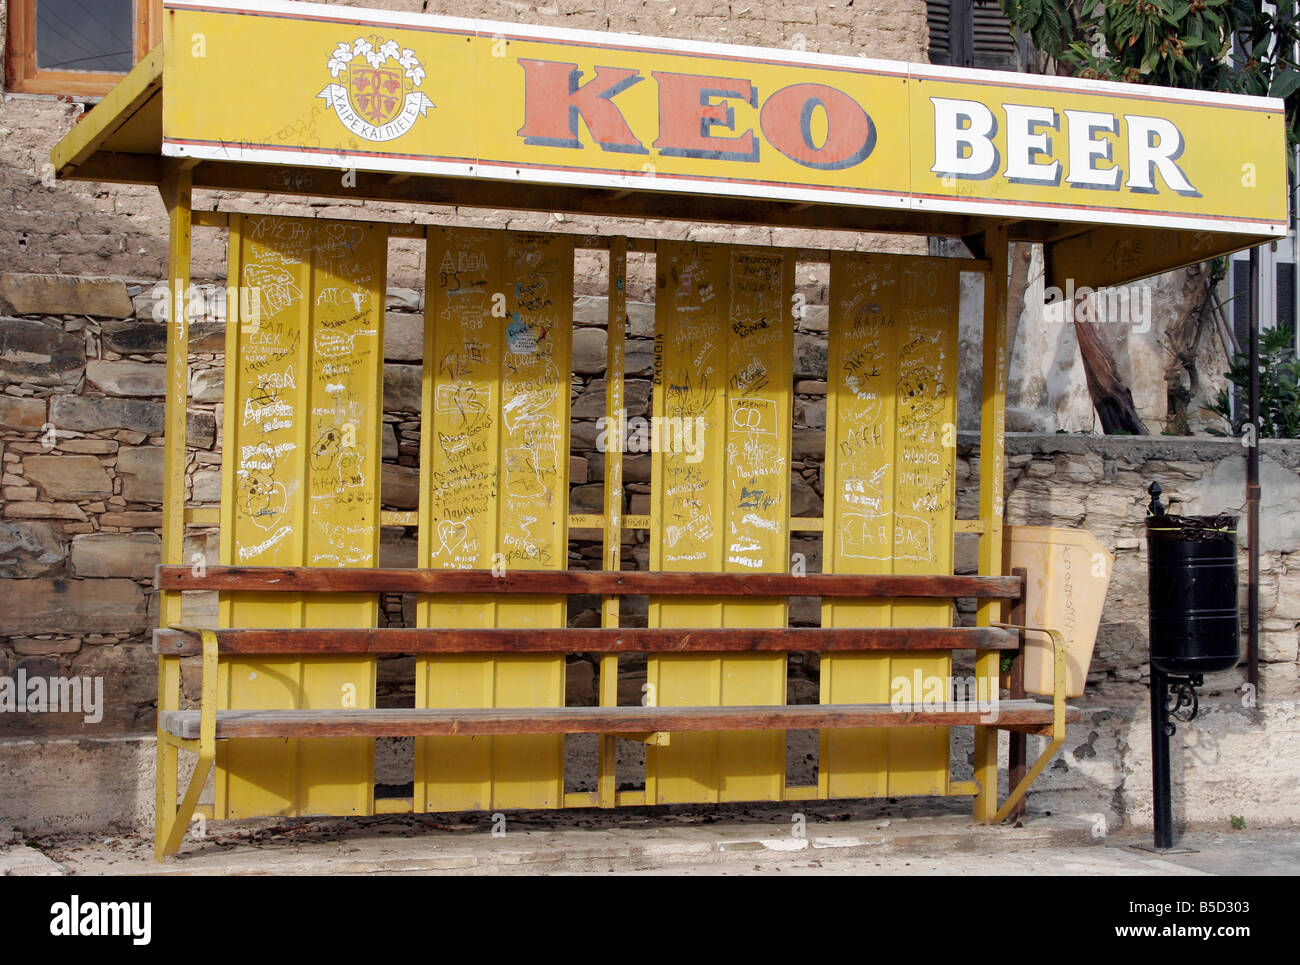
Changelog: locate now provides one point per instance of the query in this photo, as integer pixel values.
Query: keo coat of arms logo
(381, 99)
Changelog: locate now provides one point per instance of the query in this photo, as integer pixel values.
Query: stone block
(639, 359)
(403, 337)
(809, 444)
(33, 647)
(135, 519)
(402, 388)
(141, 472)
(208, 337)
(587, 499)
(65, 295)
(810, 358)
(200, 429)
(127, 378)
(804, 500)
(397, 550)
(130, 673)
(96, 447)
(577, 469)
(208, 386)
(400, 487)
(591, 404)
(39, 353)
(84, 414)
(579, 683)
(44, 510)
(134, 338)
(26, 415)
(29, 549)
(130, 555)
(68, 477)
(73, 606)
(589, 351)
(207, 486)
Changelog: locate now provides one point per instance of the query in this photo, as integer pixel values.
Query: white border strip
(532, 175)
(1010, 209)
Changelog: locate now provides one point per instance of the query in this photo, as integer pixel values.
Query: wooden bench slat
(492, 721)
(242, 579)
(581, 640)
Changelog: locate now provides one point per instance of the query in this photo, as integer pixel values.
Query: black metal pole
(1161, 790)
(1252, 487)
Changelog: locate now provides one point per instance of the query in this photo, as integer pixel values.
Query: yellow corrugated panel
(721, 500)
(494, 492)
(303, 412)
(890, 463)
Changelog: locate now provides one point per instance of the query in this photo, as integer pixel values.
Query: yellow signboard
(324, 86)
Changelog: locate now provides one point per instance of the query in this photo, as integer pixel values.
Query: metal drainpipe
(1252, 486)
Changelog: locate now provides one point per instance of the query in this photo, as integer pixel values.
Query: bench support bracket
(1058, 720)
(171, 823)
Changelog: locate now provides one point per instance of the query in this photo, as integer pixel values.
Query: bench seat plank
(298, 579)
(489, 721)
(317, 641)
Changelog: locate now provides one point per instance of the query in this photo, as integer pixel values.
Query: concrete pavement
(839, 838)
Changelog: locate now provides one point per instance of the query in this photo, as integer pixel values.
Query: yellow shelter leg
(176, 196)
(169, 683)
(992, 459)
(176, 824)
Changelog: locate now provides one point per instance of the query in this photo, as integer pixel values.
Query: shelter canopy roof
(1118, 181)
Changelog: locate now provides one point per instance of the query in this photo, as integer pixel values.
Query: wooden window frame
(23, 77)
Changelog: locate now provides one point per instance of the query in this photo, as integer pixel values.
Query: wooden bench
(198, 730)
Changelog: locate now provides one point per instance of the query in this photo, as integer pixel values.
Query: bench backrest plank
(660, 640)
(287, 579)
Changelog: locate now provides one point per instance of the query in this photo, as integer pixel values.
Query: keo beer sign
(577, 108)
(696, 117)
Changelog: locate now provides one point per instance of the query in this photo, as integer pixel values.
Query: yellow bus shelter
(1117, 182)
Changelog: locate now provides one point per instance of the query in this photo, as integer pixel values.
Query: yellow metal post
(992, 461)
(176, 194)
(612, 545)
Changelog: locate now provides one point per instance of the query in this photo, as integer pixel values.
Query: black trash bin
(1192, 591)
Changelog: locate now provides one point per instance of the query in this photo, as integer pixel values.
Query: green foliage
(1238, 822)
(1172, 43)
(1279, 388)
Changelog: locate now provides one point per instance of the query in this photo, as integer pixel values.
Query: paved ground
(850, 839)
